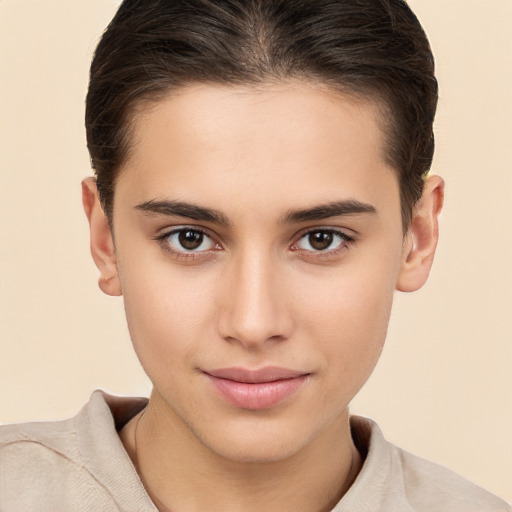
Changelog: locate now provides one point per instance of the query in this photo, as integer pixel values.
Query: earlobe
(421, 240)
(102, 244)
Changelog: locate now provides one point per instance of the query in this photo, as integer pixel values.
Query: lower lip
(257, 396)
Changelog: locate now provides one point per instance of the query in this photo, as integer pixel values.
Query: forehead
(275, 144)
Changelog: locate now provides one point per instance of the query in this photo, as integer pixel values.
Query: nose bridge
(254, 309)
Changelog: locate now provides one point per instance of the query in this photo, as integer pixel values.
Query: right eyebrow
(182, 209)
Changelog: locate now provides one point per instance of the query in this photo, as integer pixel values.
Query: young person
(261, 191)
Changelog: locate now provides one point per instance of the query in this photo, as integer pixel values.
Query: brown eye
(190, 240)
(320, 240)
(325, 240)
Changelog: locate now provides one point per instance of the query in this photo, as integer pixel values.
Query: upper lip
(267, 374)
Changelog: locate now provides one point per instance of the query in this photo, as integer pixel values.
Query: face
(258, 243)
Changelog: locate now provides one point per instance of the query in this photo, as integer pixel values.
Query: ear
(421, 240)
(102, 243)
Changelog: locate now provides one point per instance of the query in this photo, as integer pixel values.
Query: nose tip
(252, 335)
(254, 310)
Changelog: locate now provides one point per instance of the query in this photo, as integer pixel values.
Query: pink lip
(256, 389)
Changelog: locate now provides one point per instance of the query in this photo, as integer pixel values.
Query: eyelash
(347, 241)
(162, 240)
(166, 246)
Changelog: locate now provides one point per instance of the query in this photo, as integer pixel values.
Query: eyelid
(348, 241)
(347, 234)
(169, 230)
(165, 233)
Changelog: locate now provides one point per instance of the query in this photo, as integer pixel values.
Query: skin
(259, 294)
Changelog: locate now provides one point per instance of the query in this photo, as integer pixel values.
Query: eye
(323, 240)
(188, 240)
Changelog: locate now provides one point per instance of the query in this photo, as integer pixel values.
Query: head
(261, 167)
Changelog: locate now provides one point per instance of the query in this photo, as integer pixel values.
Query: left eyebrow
(325, 211)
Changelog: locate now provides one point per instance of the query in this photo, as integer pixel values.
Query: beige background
(443, 387)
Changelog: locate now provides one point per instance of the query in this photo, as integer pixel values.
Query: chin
(257, 441)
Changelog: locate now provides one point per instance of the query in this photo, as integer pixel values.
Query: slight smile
(256, 389)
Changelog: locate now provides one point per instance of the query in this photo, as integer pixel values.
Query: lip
(256, 389)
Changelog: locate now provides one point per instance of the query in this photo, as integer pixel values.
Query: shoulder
(52, 432)
(41, 469)
(430, 486)
(400, 481)
(65, 465)
(38, 441)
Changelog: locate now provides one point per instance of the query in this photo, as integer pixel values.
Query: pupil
(320, 240)
(190, 239)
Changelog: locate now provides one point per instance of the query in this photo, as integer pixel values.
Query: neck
(182, 474)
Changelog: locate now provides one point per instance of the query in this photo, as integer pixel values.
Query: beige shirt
(80, 464)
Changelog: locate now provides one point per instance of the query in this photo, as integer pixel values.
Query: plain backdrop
(443, 386)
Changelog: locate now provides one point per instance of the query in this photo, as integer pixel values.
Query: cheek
(167, 313)
(353, 323)
(348, 315)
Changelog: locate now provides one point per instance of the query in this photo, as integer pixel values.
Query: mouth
(256, 389)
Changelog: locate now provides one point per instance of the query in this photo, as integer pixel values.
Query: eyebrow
(325, 211)
(182, 209)
(203, 214)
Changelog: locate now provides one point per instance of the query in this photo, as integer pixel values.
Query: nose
(254, 305)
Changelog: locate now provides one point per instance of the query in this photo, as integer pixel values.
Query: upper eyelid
(165, 232)
(339, 231)
(348, 242)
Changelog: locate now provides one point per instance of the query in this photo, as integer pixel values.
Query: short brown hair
(374, 48)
